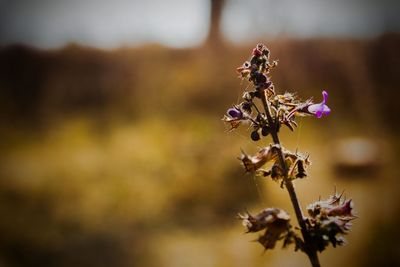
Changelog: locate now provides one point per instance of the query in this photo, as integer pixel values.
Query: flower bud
(259, 78)
(246, 107)
(263, 49)
(265, 130)
(255, 136)
(235, 113)
(257, 52)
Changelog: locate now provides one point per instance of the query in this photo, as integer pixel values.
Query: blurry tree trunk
(214, 34)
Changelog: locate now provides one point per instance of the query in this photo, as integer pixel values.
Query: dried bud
(264, 155)
(258, 62)
(276, 224)
(342, 210)
(276, 172)
(257, 52)
(246, 107)
(265, 130)
(297, 163)
(264, 49)
(271, 217)
(259, 78)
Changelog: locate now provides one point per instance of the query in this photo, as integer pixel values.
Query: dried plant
(327, 220)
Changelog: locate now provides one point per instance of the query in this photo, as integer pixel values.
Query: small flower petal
(320, 109)
(324, 96)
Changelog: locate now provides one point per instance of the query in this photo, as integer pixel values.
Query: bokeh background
(112, 148)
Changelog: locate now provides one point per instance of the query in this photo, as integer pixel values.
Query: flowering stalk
(311, 253)
(327, 220)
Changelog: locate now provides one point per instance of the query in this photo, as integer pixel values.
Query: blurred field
(119, 158)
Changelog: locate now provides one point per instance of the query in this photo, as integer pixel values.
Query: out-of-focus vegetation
(119, 158)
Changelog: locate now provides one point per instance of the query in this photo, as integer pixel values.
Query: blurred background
(112, 148)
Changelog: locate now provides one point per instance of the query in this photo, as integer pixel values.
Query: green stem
(309, 248)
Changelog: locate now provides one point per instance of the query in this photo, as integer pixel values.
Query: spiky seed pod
(329, 219)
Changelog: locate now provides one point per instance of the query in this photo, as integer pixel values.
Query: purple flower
(235, 113)
(320, 109)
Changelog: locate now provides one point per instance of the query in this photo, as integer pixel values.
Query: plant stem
(309, 248)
